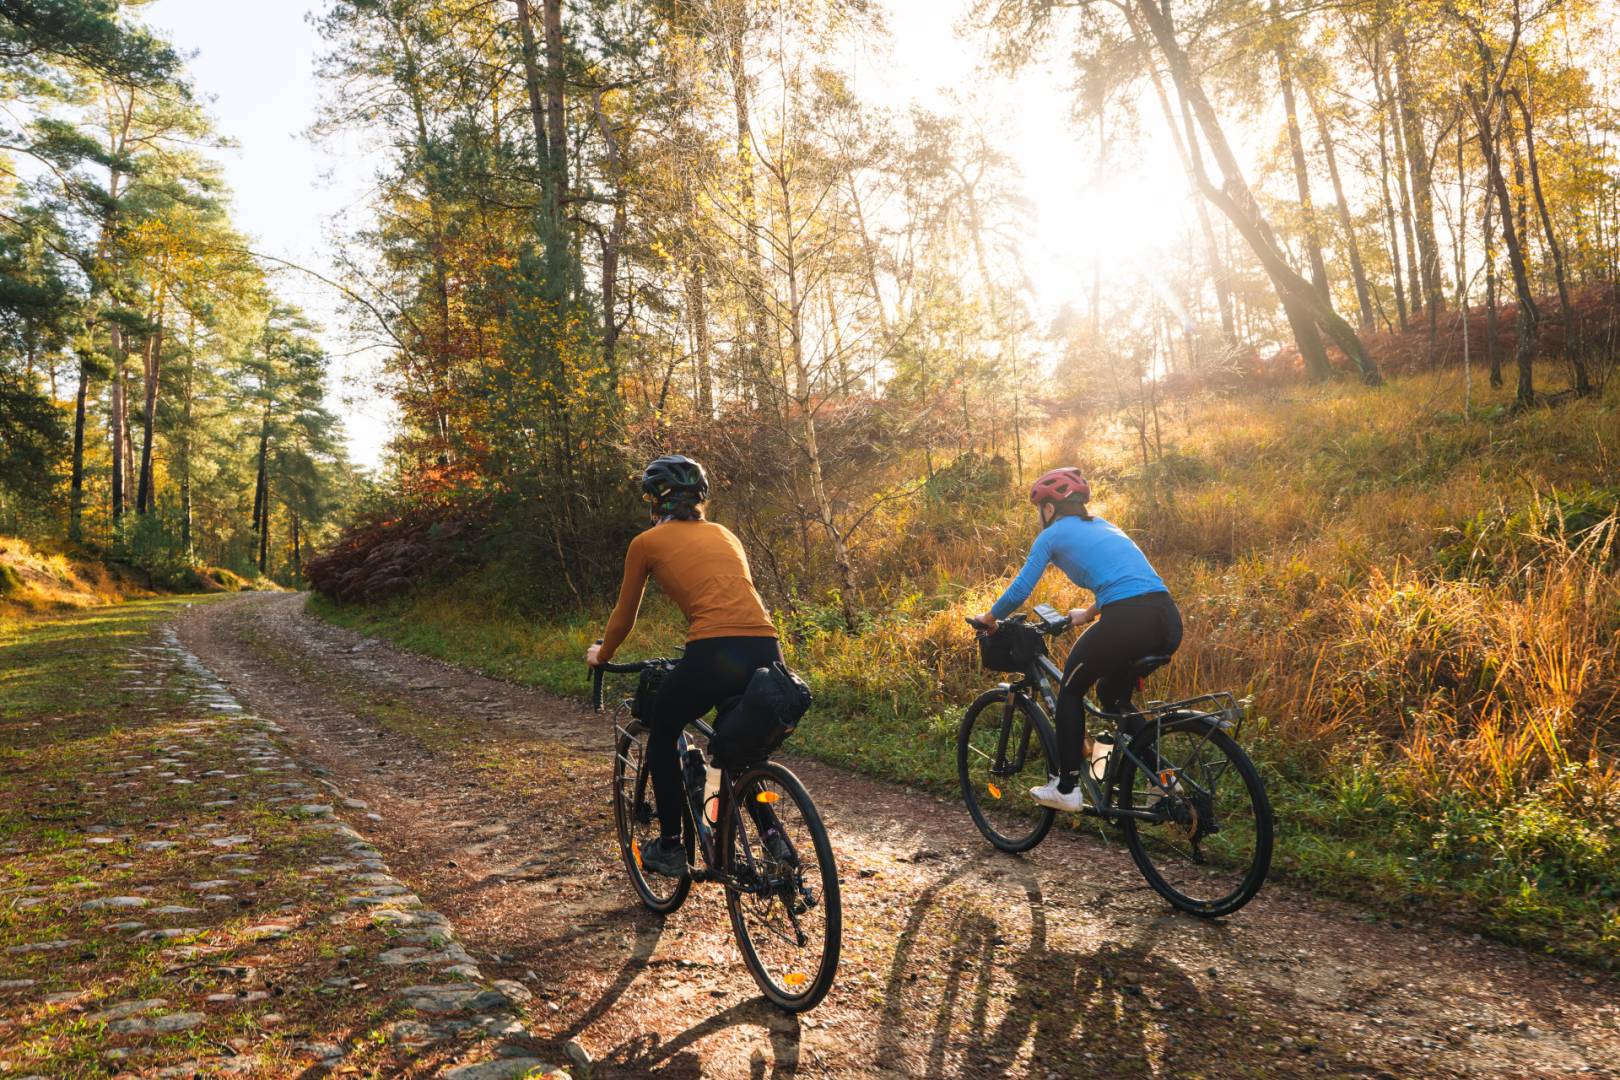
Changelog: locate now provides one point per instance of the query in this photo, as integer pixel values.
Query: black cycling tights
(1125, 631)
(710, 671)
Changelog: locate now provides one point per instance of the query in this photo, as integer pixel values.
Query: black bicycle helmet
(675, 475)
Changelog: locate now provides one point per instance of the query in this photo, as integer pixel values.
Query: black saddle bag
(766, 714)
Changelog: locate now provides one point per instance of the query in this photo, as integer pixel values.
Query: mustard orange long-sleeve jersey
(701, 566)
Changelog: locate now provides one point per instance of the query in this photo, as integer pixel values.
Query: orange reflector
(1166, 777)
(995, 792)
(795, 979)
(635, 853)
(767, 797)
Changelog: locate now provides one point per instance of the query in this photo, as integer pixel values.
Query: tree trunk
(1296, 147)
(1383, 177)
(117, 422)
(556, 121)
(264, 532)
(1572, 346)
(1185, 148)
(1528, 319)
(804, 398)
(1414, 288)
(698, 313)
(1238, 203)
(298, 552)
(145, 494)
(1358, 273)
(1422, 183)
(1488, 228)
(76, 480)
(260, 511)
(537, 109)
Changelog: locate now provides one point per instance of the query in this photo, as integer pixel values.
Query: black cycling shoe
(667, 857)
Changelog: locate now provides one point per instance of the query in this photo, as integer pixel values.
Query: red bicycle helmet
(1060, 485)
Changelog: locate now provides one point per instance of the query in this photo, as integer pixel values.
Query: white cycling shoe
(1049, 795)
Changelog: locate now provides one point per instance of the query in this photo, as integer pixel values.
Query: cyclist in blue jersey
(1134, 613)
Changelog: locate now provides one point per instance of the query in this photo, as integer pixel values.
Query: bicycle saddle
(1147, 665)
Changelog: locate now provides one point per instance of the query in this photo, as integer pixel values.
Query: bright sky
(254, 62)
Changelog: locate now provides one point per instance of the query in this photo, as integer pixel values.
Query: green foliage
(1500, 539)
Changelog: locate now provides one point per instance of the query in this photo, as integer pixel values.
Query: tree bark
(1358, 273)
(1422, 182)
(556, 121)
(1487, 229)
(145, 493)
(1185, 149)
(76, 479)
(1236, 200)
(1389, 208)
(1528, 317)
(117, 422)
(1296, 147)
(1572, 345)
(537, 109)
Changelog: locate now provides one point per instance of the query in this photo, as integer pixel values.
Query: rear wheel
(1003, 748)
(636, 817)
(1211, 852)
(781, 887)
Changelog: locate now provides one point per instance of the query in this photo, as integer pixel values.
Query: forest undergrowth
(1422, 602)
(41, 578)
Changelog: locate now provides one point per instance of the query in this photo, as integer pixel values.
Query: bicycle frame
(708, 835)
(1044, 678)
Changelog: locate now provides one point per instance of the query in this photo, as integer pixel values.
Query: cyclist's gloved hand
(986, 621)
(592, 655)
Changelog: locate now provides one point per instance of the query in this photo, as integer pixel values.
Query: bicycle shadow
(1120, 1008)
(676, 1058)
(648, 933)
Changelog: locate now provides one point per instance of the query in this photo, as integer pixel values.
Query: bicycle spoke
(1209, 837)
(774, 865)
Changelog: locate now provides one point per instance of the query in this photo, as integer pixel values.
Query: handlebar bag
(763, 718)
(1013, 647)
(647, 684)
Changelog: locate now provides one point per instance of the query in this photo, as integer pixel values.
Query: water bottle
(711, 795)
(1101, 747)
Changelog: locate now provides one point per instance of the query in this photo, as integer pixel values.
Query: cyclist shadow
(648, 933)
(674, 1058)
(1120, 1002)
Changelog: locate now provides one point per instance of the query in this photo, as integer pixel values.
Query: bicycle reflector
(795, 978)
(995, 792)
(767, 797)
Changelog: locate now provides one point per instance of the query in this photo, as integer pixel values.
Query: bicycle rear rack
(1227, 711)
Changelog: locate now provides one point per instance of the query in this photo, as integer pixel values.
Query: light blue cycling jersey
(1095, 554)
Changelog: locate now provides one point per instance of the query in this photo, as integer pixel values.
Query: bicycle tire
(1264, 825)
(661, 903)
(1041, 817)
(830, 899)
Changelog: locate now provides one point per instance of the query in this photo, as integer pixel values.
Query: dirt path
(492, 803)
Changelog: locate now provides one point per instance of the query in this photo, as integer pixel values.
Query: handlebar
(1047, 620)
(617, 669)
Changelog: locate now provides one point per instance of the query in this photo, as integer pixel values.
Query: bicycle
(782, 895)
(1164, 773)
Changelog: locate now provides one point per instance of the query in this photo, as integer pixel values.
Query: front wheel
(636, 818)
(1209, 849)
(781, 887)
(1004, 748)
